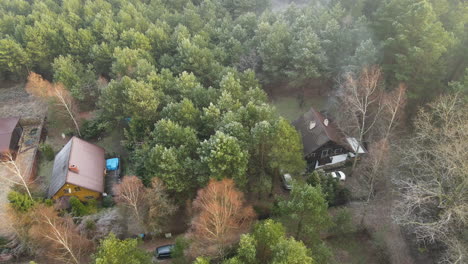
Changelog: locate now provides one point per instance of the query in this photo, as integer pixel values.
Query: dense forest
(188, 82)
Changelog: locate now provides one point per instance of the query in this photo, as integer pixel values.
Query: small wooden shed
(10, 134)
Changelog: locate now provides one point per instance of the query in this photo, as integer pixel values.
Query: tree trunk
(299, 227)
(357, 153)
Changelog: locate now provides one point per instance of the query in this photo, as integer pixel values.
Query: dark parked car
(164, 252)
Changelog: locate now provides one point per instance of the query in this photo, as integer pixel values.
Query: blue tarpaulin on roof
(112, 164)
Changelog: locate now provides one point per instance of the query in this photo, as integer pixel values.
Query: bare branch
(16, 176)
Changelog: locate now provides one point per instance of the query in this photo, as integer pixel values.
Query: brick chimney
(73, 168)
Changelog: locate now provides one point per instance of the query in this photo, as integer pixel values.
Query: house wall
(324, 152)
(81, 193)
(15, 137)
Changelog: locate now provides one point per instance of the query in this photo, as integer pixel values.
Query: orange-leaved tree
(39, 87)
(221, 215)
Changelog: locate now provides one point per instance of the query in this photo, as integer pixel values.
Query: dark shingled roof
(60, 170)
(314, 138)
(87, 157)
(7, 126)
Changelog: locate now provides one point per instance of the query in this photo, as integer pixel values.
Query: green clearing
(289, 107)
(111, 142)
(44, 170)
(355, 248)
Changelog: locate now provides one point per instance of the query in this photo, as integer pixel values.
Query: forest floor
(376, 217)
(355, 248)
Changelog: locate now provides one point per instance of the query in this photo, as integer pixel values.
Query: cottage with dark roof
(324, 143)
(79, 170)
(10, 134)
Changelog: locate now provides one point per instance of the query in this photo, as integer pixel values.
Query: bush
(342, 222)
(49, 202)
(335, 193)
(178, 253)
(379, 244)
(70, 132)
(107, 202)
(20, 202)
(343, 196)
(47, 151)
(92, 129)
(90, 225)
(3, 241)
(80, 209)
(263, 210)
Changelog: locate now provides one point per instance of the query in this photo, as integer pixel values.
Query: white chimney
(311, 125)
(325, 122)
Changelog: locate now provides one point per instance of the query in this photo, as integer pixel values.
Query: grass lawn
(44, 171)
(355, 248)
(289, 108)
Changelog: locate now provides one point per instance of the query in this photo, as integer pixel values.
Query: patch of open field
(14, 101)
(356, 248)
(291, 107)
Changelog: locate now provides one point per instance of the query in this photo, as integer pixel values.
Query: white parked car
(287, 181)
(338, 175)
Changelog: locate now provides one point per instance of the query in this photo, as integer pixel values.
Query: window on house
(89, 197)
(67, 190)
(338, 151)
(312, 155)
(325, 153)
(77, 189)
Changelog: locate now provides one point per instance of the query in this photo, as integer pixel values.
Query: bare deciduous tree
(432, 177)
(362, 101)
(373, 165)
(393, 104)
(372, 114)
(15, 176)
(39, 87)
(159, 205)
(131, 193)
(19, 223)
(221, 215)
(58, 237)
(150, 206)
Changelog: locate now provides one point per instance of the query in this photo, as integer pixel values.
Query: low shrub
(107, 202)
(263, 210)
(20, 202)
(47, 151)
(335, 193)
(178, 253)
(90, 225)
(342, 223)
(70, 132)
(80, 209)
(381, 247)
